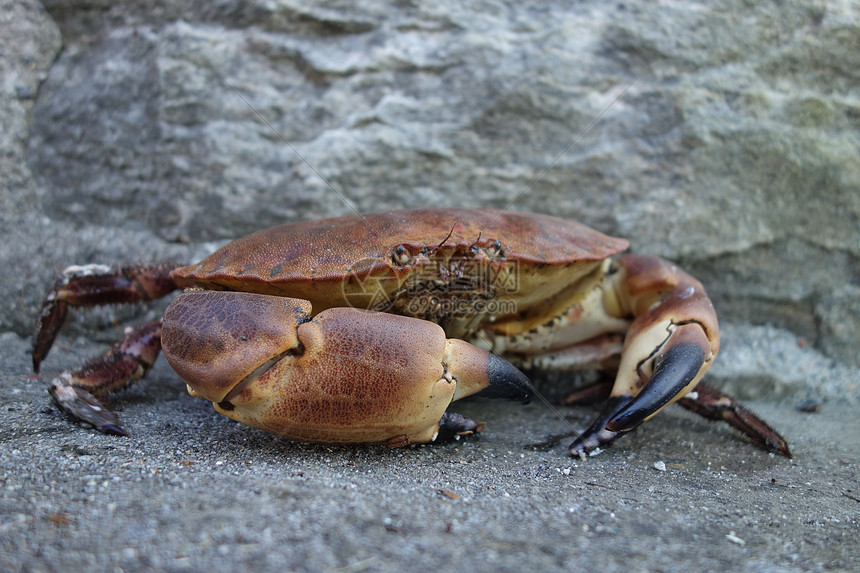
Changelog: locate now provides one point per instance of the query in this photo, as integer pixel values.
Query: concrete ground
(190, 490)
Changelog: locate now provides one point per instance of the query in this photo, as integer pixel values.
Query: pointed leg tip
(80, 405)
(114, 430)
(778, 446)
(37, 354)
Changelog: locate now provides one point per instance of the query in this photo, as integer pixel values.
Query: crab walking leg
(669, 346)
(714, 405)
(343, 376)
(76, 392)
(93, 285)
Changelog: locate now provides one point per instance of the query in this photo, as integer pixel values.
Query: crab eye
(495, 250)
(400, 255)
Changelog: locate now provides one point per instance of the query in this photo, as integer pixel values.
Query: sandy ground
(190, 490)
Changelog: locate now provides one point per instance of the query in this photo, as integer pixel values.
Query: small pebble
(660, 465)
(810, 405)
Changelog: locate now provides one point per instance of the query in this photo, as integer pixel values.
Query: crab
(363, 329)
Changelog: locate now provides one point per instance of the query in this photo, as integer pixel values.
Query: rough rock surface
(723, 135)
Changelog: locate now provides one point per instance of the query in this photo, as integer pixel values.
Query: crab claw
(674, 372)
(669, 346)
(344, 376)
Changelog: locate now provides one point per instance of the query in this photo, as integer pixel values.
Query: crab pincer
(343, 376)
(673, 339)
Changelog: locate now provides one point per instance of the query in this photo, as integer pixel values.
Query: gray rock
(766, 363)
(729, 145)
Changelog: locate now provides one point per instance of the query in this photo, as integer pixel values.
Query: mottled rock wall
(723, 135)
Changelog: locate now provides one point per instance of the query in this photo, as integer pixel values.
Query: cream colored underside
(576, 317)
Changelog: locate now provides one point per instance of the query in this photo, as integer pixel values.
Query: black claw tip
(597, 433)
(506, 381)
(589, 442)
(674, 371)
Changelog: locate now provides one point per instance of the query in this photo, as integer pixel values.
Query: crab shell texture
(266, 362)
(383, 261)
